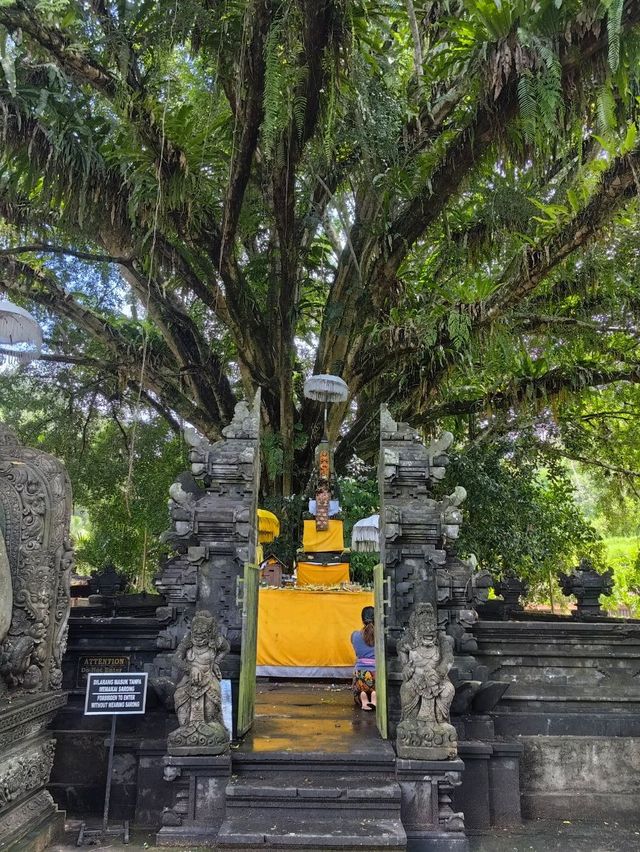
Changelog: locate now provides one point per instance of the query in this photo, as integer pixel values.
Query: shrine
(424, 598)
(251, 737)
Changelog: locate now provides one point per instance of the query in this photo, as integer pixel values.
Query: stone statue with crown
(426, 656)
(198, 699)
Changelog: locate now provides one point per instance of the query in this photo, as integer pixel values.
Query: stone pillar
(214, 532)
(35, 563)
(417, 542)
(427, 816)
(473, 794)
(504, 784)
(199, 799)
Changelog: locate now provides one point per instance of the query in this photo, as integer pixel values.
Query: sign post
(112, 694)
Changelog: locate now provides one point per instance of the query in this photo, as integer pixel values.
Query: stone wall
(80, 767)
(574, 704)
(573, 777)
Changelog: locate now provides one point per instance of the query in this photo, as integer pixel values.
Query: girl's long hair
(368, 634)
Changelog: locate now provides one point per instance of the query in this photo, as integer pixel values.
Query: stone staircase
(313, 801)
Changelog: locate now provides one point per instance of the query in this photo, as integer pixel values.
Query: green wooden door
(381, 659)
(247, 691)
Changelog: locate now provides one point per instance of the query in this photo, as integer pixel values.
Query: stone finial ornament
(426, 656)
(587, 585)
(198, 699)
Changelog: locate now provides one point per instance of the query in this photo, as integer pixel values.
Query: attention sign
(113, 693)
(100, 665)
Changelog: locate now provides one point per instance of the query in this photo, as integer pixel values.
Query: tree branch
(46, 248)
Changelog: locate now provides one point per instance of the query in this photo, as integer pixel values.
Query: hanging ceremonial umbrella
(20, 337)
(365, 535)
(325, 388)
(268, 526)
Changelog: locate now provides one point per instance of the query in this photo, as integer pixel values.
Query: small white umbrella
(20, 337)
(365, 535)
(325, 388)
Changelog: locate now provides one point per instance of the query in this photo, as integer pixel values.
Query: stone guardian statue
(426, 656)
(198, 699)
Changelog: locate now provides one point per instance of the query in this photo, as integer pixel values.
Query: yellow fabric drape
(310, 574)
(305, 628)
(324, 541)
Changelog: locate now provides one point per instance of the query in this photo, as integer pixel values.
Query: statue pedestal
(199, 738)
(427, 816)
(418, 740)
(198, 809)
(29, 818)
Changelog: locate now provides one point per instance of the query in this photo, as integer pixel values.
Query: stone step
(248, 829)
(276, 809)
(336, 795)
(316, 763)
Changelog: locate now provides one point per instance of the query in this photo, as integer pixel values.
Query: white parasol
(365, 536)
(325, 388)
(20, 337)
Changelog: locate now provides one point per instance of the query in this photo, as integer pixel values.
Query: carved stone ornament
(25, 772)
(198, 700)
(35, 508)
(587, 585)
(426, 656)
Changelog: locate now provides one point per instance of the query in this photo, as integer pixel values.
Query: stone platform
(313, 773)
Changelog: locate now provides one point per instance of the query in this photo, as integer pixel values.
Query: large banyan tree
(435, 201)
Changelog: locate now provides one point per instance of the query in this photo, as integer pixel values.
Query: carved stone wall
(35, 510)
(214, 532)
(35, 496)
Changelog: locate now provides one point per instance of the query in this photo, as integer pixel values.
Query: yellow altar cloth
(323, 541)
(310, 574)
(308, 634)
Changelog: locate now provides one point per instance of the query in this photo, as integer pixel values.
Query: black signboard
(100, 664)
(115, 693)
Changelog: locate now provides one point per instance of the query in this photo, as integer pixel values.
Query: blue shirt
(363, 652)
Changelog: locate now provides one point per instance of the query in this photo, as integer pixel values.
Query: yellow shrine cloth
(308, 634)
(310, 574)
(314, 541)
(268, 526)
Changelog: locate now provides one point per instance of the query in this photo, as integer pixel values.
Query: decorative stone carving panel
(35, 508)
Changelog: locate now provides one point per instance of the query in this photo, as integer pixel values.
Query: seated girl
(364, 672)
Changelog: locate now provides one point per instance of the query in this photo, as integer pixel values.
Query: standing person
(364, 671)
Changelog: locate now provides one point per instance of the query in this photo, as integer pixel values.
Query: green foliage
(290, 193)
(284, 78)
(623, 555)
(359, 498)
(116, 518)
(127, 517)
(519, 517)
(289, 511)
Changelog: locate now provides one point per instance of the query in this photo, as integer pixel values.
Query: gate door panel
(381, 660)
(247, 691)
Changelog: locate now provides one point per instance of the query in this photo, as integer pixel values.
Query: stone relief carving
(197, 698)
(35, 501)
(36, 561)
(426, 656)
(33, 808)
(26, 772)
